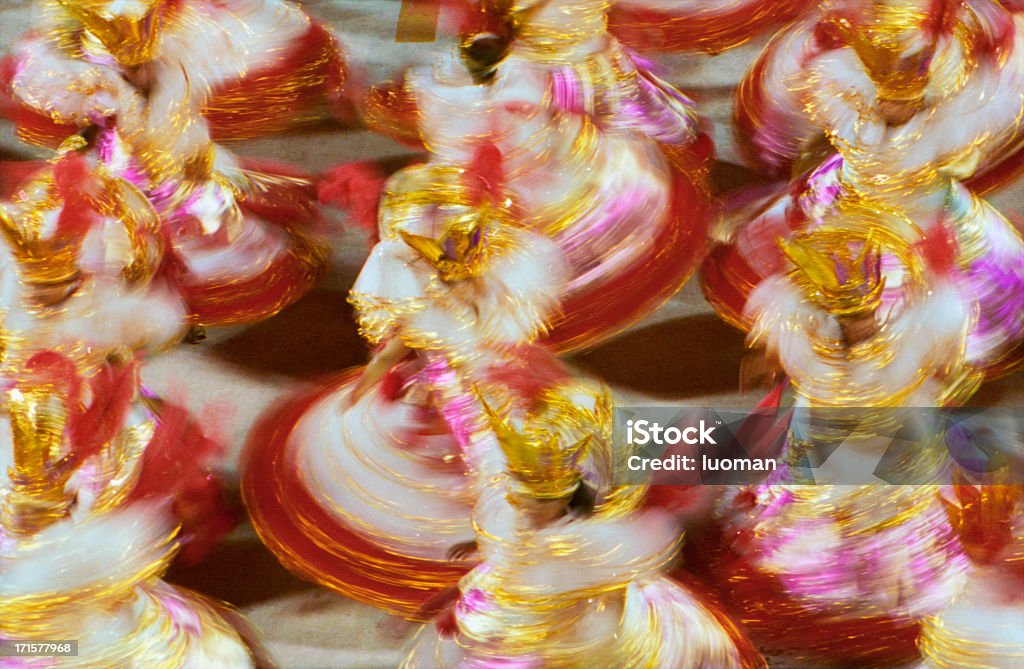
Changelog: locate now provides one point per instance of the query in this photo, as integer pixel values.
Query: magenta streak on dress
(997, 281)
(654, 108)
(182, 614)
(106, 144)
(567, 90)
(459, 409)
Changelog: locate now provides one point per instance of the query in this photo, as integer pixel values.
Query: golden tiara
(129, 33)
(544, 455)
(459, 250)
(881, 45)
(842, 270)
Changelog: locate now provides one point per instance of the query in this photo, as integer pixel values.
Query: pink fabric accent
(459, 409)
(566, 91)
(182, 615)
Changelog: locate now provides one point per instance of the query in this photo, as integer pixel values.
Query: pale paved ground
(681, 354)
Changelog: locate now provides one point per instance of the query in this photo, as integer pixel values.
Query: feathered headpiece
(52, 260)
(84, 196)
(879, 36)
(467, 200)
(54, 431)
(983, 518)
(38, 417)
(543, 457)
(840, 268)
(127, 30)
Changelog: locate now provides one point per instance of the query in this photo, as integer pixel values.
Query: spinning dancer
(140, 75)
(871, 331)
(912, 97)
(569, 579)
(598, 154)
(373, 476)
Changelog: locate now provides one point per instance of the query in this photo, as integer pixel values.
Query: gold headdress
(460, 250)
(841, 268)
(983, 517)
(38, 497)
(49, 262)
(544, 457)
(45, 262)
(128, 31)
(881, 42)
